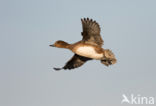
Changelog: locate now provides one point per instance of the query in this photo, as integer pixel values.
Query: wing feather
(75, 62)
(91, 32)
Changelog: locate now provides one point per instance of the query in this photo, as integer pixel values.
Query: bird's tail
(109, 58)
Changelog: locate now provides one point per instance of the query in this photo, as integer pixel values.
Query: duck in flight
(89, 48)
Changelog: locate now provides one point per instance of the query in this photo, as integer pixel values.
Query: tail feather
(106, 62)
(109, 58)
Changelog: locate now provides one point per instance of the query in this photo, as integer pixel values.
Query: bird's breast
(88, 51)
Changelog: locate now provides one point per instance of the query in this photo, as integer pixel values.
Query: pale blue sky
(27, 27)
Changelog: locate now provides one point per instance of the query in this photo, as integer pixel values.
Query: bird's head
(60, 44)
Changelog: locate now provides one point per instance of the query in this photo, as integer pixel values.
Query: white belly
(88, 52)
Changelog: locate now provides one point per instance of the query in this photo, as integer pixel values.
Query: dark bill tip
(52, 45)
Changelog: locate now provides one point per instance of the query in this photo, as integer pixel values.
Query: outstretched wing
(75, 62)
(91, 32)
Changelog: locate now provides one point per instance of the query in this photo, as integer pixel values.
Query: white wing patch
(88, 51)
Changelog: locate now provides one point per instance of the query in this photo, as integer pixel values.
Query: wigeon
(89, 48)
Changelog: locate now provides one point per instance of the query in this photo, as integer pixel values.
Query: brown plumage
(91, 32)
(75, 62)
(90, 47)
